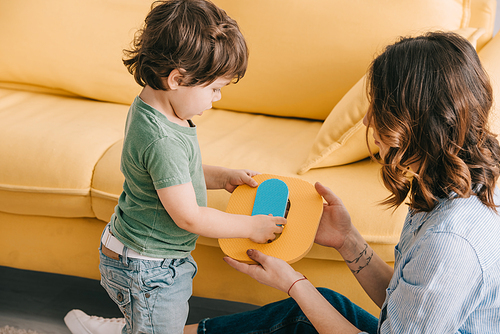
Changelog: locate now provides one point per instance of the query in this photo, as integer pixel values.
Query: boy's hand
(238, 177)
(217, 177)
(265, 228)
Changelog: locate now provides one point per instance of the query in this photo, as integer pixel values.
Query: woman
(429, 105)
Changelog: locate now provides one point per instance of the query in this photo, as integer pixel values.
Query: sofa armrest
(490, 58)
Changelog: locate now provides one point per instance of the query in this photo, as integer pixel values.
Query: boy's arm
(180, 203)
(217, 177)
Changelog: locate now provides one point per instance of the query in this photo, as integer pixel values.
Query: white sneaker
(78, 322)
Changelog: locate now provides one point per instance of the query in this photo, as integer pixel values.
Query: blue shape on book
(271, 198)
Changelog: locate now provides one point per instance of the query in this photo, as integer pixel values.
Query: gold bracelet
(291, 286)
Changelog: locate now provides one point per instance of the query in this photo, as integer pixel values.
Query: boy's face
(188, 101)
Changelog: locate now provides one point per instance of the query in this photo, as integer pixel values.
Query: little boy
(186, 53)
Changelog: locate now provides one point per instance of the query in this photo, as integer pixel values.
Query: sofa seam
(31, 189)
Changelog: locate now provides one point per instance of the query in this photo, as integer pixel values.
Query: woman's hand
(335, 224)
(280, 275)
(270, 271)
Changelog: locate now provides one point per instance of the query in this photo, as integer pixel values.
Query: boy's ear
(174, 79)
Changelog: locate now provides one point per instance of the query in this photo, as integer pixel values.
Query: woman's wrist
(356, 253)
(298, 286)
(350, 245)
(294, 282)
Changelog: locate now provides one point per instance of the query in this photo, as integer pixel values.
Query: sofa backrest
(70, 46)
(304, 55)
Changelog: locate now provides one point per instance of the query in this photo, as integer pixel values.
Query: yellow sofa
(64, 96)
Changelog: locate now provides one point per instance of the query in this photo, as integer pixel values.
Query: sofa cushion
(71, 45)
(342, 137)
(276, 146)
(78, 47)
(235, 140)
(50, 146)
(107, 183)
(483, 15)
(226, 138)
(305, 56)
(490, 60)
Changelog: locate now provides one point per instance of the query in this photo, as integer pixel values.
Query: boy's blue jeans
(286, 317)
(152, 295)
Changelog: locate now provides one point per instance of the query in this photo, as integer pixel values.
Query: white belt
(116, 246)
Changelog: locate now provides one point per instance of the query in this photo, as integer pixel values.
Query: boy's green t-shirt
(156, 154)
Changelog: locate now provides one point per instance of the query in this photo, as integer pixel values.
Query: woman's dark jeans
(285, 317)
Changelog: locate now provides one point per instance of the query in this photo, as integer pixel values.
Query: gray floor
(39, 301)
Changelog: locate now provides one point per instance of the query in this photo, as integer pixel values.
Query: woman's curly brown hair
(193, 36)
(430, 100)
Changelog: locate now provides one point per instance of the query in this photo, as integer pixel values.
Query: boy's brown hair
(195, 37)
(430, 101)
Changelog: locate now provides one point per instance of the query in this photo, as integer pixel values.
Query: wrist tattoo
(357, 260)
